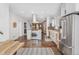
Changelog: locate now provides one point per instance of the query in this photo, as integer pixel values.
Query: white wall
(29, 31)
(4, 21)
(6, 25)
(18, 31)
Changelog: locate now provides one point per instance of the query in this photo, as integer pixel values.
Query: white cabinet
(70, 7)
(67, 8)
(70, 45)
(75, 36)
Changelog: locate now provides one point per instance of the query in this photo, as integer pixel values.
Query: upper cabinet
(63, 9)
(67, 8)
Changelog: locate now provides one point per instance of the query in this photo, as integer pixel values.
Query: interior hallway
(39, 26)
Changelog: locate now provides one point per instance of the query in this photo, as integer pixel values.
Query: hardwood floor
(40, 44)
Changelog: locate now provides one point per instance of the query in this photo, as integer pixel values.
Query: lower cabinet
(66, 50)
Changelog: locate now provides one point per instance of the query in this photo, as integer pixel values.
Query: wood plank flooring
(39, 45)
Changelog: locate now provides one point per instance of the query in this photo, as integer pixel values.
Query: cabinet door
(63, 8)
(66, 38)
(69, 7)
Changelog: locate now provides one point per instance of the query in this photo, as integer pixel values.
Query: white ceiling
(41, 9)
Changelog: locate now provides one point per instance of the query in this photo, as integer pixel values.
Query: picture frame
(14, 24)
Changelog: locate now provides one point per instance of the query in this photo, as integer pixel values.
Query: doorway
(25, 30)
